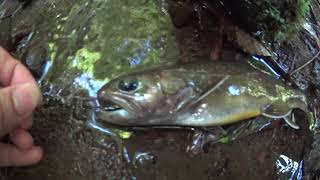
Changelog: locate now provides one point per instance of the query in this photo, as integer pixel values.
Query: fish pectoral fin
(290, 120)
(280, 110)
(276, 110)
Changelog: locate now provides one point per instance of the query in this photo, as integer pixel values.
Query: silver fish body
(197, 94)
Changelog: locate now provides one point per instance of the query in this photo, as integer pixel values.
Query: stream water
(74, 47)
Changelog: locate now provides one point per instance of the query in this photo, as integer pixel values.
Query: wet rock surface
(73, 152)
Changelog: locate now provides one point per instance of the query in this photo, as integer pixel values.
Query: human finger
(21, 138)
(11, 155)
(27, 122)
(16, 103)
(12, 71)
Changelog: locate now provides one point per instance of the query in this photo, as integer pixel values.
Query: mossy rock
(269, 19)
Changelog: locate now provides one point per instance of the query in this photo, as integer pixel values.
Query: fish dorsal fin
(280, 110)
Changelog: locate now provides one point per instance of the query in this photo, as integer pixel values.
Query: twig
(5, 17)
(215, 87)
(306, 64)
(220, 83)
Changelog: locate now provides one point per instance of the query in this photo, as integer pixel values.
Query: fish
(200, 93)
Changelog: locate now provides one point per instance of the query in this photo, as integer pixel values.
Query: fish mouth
(110, 106)
(116, 111)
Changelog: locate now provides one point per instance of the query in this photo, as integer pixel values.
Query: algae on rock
(272, 20)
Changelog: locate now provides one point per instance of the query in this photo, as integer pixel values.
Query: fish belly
(223, 110)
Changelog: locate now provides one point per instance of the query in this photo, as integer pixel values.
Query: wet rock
(269, 19)
(35, 59)
(25, 2)
(5, 40)
(180, 12)
(143, 159)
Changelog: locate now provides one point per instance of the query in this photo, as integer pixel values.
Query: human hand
(19, 96)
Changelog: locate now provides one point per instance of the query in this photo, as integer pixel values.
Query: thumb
(16, 103)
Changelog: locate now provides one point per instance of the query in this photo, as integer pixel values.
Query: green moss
(270, 20)
(282, 19)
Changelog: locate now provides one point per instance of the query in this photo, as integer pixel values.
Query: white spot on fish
(204, 105)
(234, 90)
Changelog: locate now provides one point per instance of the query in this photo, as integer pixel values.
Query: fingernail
(25, 98)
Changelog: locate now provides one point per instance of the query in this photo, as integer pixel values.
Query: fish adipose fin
(280, 110)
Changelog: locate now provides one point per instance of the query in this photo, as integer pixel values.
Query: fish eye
(128, 85)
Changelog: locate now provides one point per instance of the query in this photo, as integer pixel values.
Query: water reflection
(141, 159)
(86, 81)
(91, 42)
(262, 65)
(289, 169)
(117, 135)
(92, 46)
(47, 66)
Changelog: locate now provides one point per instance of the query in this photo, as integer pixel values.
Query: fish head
(144, 98)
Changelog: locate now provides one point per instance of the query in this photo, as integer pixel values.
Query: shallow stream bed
(87, 43)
